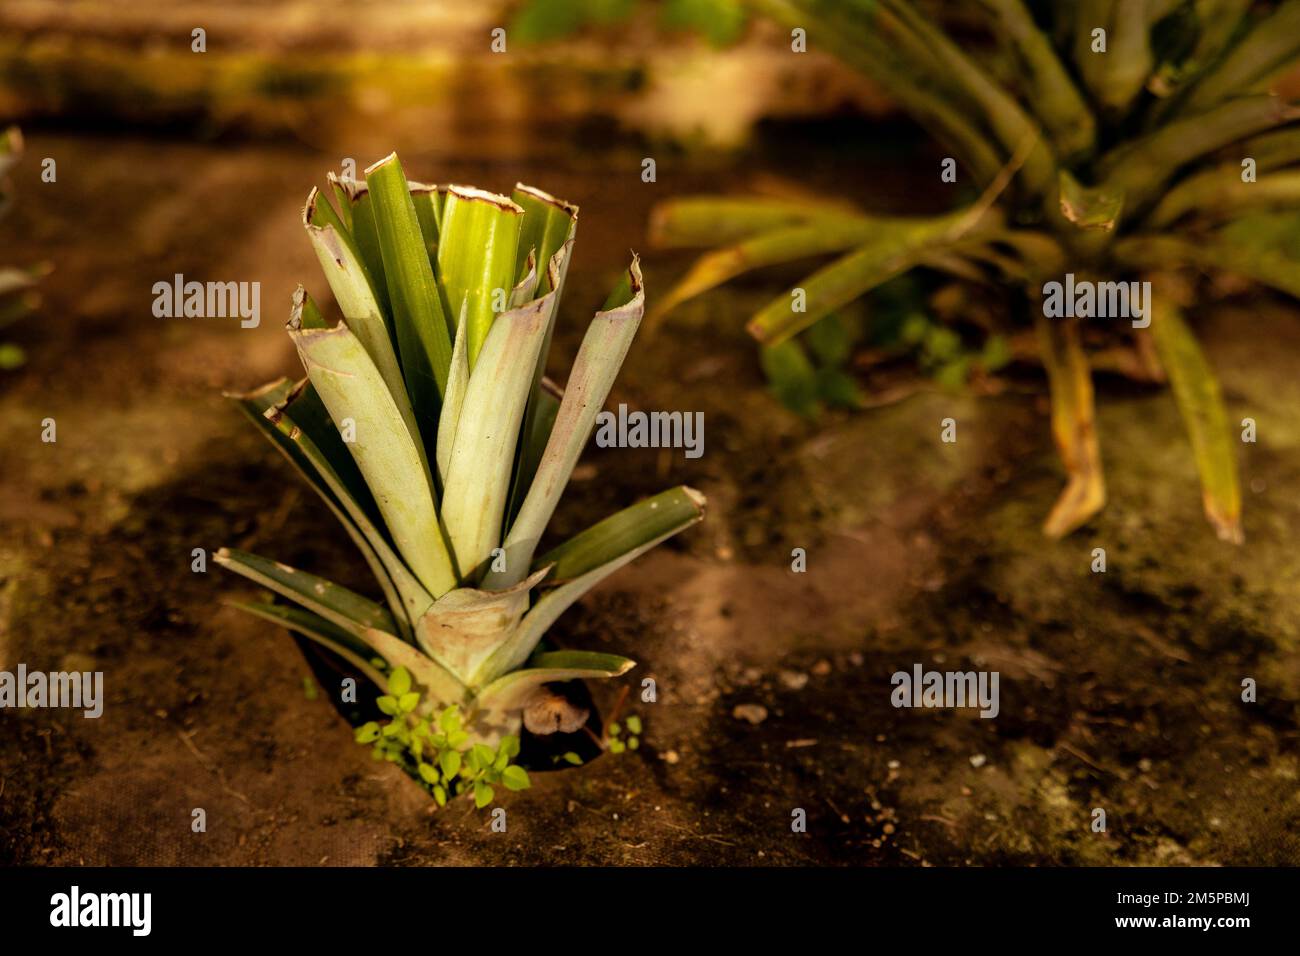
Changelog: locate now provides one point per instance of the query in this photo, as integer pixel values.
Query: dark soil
(1120, 691)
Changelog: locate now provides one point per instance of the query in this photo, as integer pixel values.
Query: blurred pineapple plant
(18, 295)
(1114, 139)
(426, 425)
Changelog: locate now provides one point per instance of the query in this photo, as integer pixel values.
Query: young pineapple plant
(1117, 140)
(426, 425)
(18, 295)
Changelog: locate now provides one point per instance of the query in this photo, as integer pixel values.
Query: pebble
(822, 667)
(671, 756)
(978, 760)
(794, 680)
(754, 713)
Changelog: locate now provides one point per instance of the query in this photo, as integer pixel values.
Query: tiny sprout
(440, 755)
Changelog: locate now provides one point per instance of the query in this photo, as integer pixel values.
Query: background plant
(18, 296)
(1113, 165)
(426, 425)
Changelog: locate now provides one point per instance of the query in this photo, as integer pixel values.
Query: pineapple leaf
(891, 252)
(601, 355)
(722, 220)
(1089, 207)
(1271, 47)
(365, 232)
(1073, 426)
(787, 244)
(303, 421)
(454, 401)
(537, 424)
(623, 538)
(1196, 392)
(389, 456)
(1219, 193)
(353, 285)
(1139, 169)
(464, 626)
(422, 336)
(443, 687)
(547, 225)
(335, 603)
(650, 519)
(476, 256)
(513, 690)
(341, 499)
(487, 431)
(1056, 99)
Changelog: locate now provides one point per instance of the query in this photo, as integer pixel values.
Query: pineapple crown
(426, 424)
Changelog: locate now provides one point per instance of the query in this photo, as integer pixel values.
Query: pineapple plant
(18, 296)
(426, 424)
(1114, 139)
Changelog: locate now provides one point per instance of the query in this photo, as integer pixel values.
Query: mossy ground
(1119, 690)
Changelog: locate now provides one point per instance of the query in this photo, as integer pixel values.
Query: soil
(1119, 691)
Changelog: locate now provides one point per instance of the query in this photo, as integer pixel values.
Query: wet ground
(1119, 691)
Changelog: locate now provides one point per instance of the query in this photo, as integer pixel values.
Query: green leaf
(428, 774)
(1270, 48)
(721, 220)
(408, 702)
(483, 794)
(601, 355)
(634, 723)
(509, 746)
(481, 757)
(1056, 100)
(588, 558)
(512, 692)
(449, 719)
(617, 746)
(366, 733)
(299, 447)
(305, 434)
(335, 603)
(440, 794)
(478, 473)
(791, 376)
(476, 257)
(389, 456)
(453, 402)
(547, 225)
(515, 778)
(465, 626)
(387, 704)
(614, 728)
(449, 760)
(893, 251)
(829, 234)
(353, 288)
(572, 758)
(442, 686)
(1200, 402)
(539, 420)
(838, 388)
(1139, 169)
(399, 682)
(422, 336)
